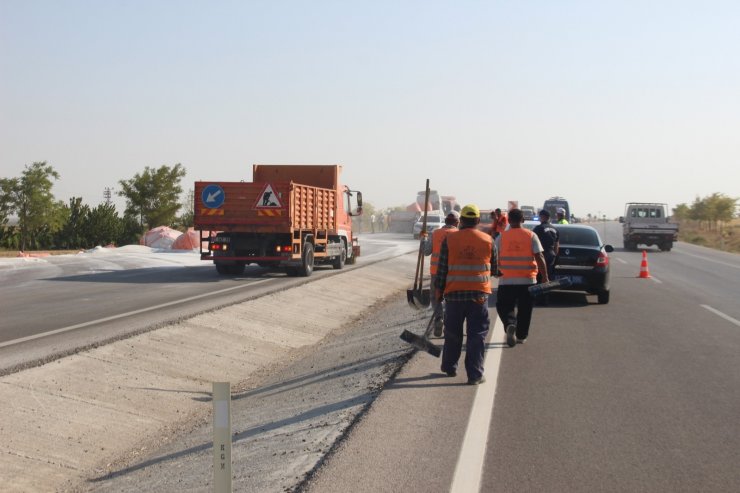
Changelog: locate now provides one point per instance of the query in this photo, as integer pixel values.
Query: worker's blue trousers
(476, 315)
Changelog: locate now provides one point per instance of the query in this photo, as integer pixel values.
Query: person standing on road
(372, 223)
(560, 216)
(550, 241)
(467, 259)
(499, 223)
(433, 248)
(520, 259)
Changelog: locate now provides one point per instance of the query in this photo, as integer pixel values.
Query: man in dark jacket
(550, 240)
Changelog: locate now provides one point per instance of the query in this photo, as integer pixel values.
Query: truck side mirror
(621, 219)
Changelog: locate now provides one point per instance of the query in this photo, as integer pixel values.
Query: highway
(641, 394)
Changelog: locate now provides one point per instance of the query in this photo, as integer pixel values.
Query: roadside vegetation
(41, 222)
(711, 222)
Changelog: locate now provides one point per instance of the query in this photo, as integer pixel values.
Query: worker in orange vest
(499, 223)
(467, 260)
(520, 258)
(432, 248)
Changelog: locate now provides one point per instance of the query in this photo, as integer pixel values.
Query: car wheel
(603, 297)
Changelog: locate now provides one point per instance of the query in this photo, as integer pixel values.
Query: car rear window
(578, 236)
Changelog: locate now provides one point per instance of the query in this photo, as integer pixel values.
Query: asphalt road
(641, 394)
(58, 304)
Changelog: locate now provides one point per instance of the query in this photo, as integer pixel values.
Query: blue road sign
(213, 196)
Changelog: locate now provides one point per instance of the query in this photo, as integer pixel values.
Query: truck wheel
(291, 271)
(306, 267)
(666, 247)
(222, 269)
(238, 269)
(339, 261)
(603, 297)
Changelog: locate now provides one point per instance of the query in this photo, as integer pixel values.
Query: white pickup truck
(646, 223)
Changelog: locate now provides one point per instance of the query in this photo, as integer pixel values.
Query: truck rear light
(602, 260)
(219, 247)
(283, 249)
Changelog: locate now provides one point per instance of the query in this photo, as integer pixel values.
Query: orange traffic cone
(644, 272)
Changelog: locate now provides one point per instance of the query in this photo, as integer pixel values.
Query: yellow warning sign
(268, 199)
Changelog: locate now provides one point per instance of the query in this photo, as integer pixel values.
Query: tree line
(153, 198)
(710, 212)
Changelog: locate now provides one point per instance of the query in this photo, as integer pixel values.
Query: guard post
(221, 437)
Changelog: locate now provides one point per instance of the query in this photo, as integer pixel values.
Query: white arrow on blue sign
(213, 196)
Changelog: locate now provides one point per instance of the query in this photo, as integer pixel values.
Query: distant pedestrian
(520, 258)
(560, 216)
(372, 223)
(499, 223)
(550, 241)
(467, 259)
(432, 246)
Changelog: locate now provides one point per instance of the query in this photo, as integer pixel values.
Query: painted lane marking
(726, 317)
(122, 315)
(469, 468)
(621, 260)
(709, 259)
(655, 279)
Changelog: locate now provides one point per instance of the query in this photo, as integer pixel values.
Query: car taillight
(602, 260)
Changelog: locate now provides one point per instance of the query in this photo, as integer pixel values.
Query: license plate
(572, 279)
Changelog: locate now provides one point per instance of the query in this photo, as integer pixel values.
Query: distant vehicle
(530, 225)
(486, 221)
(583, 258)
(646, 223)
(435, 220)
(529, 212)
(554, 203)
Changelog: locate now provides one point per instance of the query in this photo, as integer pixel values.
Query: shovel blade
(424, 297)
(411, 298)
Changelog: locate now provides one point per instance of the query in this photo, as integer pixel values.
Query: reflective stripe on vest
(469, 261)
(437, 237)
(516, 258)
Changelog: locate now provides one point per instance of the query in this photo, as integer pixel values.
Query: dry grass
(15, 253)
(726, 237)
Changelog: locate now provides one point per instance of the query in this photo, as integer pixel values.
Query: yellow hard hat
(471, 211)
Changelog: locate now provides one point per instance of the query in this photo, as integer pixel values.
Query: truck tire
(339, 261)
(291, 271)
(222, 269)
(306, 267)
(603, 297)
(666, 247)
(630, 245)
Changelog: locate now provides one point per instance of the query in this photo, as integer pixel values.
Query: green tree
(681, 212)
(7, 187)
(152, 196)
(187, 218)
(71, 234)
(39, 215)
(102, 226)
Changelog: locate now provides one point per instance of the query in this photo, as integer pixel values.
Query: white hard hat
(561, 210)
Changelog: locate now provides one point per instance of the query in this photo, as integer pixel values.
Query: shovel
(418, 297)
(422, 342)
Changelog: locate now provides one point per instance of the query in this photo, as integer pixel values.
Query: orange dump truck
(289, 216)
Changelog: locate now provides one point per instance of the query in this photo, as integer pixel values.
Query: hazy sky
(602, 102)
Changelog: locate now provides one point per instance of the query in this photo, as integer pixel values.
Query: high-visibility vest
(516, 259)
(469, 261)
(438, 237)
(499, 225)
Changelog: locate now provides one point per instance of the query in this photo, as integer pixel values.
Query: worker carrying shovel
(432, 247)
(467, 260)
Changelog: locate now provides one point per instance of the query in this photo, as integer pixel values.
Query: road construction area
(103, 419)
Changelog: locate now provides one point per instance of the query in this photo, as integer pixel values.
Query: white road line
(121, 315)
(682, 252)
(469, 468)
(726, 317)
(655, 279)
(621, 260)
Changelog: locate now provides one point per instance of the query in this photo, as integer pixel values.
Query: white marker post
(221, 437)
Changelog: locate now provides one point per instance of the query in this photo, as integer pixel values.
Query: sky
(599, 102)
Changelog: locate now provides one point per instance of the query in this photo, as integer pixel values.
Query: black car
(583, 258)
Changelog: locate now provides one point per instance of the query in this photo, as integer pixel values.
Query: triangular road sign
(268, 199)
